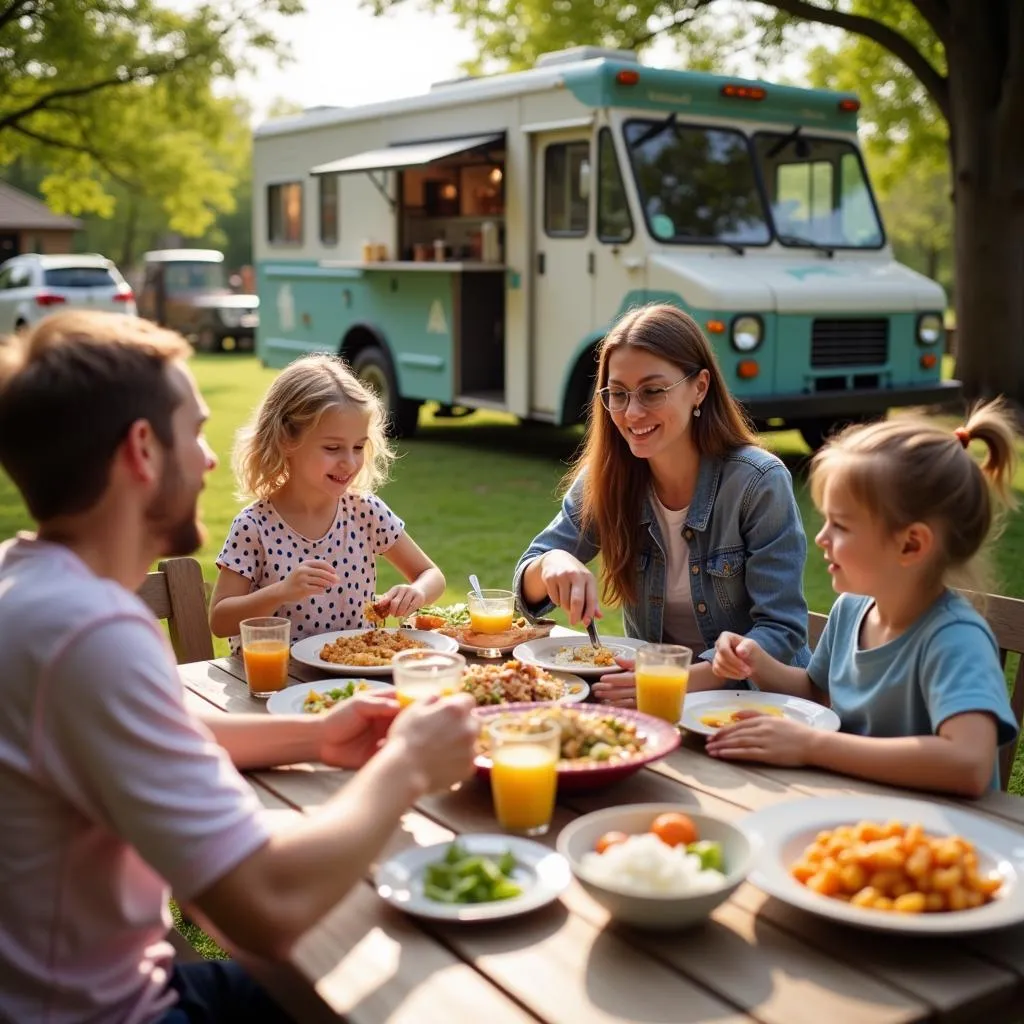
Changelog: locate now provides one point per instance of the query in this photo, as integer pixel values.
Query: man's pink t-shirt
(111, 795)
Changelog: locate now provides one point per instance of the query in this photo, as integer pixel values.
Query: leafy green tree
(115, 99)
(965, 56)
(906, 143)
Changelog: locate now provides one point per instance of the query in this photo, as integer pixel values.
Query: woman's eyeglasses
(650, 396)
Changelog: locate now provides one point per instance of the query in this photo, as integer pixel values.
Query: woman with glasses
(696, 523)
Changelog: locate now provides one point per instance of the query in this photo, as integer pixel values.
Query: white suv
(31, 286)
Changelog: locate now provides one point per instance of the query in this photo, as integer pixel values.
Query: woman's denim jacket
(747, 552)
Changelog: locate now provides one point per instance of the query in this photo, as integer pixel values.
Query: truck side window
(284, 212)
(566, 212)
(614, 223)
(329, 209)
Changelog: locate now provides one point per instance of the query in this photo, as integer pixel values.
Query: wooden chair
(177, 593)
(1005, 616)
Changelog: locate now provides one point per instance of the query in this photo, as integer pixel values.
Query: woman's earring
(696, 412)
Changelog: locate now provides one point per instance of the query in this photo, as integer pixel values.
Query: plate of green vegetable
(474, 878)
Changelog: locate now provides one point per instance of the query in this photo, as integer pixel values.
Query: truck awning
(415, 154)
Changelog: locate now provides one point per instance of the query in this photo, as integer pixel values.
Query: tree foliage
(116, 99)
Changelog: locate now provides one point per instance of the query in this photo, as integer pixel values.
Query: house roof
(19, 210)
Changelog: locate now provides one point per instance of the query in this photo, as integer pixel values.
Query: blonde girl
(306, 547)
(910, 667)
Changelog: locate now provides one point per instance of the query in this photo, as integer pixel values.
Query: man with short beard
(112, 794)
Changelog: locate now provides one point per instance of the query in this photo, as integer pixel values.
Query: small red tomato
(610, 839)
(674, 829)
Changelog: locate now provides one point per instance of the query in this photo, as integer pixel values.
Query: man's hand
(354, 730)
(438, 738)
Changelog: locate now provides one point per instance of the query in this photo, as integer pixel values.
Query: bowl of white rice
(644, 882)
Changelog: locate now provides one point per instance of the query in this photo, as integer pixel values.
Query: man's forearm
(261, 741)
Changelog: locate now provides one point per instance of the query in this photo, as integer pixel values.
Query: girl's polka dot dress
(263, 548)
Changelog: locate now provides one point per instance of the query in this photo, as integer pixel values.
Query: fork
(595, 640)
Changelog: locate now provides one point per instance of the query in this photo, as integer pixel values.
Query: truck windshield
(818, 191)
(193, 277)
(696, 184)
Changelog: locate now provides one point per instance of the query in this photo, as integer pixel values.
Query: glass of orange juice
(418, 674)
(491, 611)
(524, 774)
(662, 673)
(265, 653)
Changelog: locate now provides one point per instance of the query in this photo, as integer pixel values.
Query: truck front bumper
(842, 404)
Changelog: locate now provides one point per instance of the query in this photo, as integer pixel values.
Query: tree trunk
(987, 157)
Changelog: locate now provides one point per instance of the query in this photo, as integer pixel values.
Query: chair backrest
(177, 593)
(1005, 616)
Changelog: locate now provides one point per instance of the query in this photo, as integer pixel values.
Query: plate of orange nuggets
(891, 864)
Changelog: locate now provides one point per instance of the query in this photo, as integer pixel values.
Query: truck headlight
(747, 332)
(230, 317)
(929, 328)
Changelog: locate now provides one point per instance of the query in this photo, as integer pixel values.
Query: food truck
(471, 246)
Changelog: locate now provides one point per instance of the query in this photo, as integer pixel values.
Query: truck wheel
(373, 367)
(817, 431)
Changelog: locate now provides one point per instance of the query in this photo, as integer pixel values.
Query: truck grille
(849, 343)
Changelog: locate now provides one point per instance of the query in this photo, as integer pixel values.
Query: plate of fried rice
(365, 652)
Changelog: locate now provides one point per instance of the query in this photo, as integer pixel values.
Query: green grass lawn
(473, 492)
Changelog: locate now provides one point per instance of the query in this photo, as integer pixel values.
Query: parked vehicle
(186, 290)
(33, 285)
(472, 246)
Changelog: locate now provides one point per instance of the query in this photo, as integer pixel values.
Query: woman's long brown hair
(616, 481)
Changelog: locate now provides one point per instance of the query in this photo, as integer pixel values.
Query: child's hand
(400, 601)
(767, 739)
(736, 657)
(309, 578)
(618, 688)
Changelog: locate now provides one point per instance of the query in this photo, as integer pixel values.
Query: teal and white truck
(472, 245)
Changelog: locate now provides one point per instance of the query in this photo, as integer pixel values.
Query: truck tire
(372, 366)
(817, 431)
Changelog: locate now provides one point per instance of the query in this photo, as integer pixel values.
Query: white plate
(706, 702)
(541, 873)
(785, 829)
(542, 652)
(307, 650)
(289, 701)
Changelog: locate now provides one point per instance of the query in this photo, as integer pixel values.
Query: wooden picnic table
(757, 959)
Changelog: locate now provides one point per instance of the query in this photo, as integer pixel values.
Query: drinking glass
(419, 674)
(265, 653)
(524, 775)
(662, 673)
(491, 611)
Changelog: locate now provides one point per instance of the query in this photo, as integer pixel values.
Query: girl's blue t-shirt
(946, 664)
